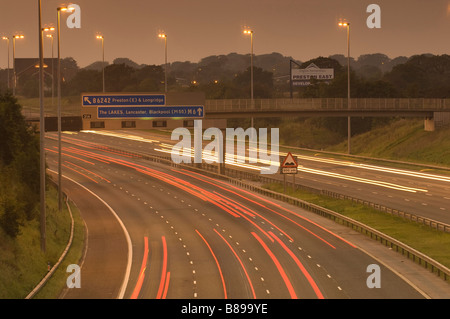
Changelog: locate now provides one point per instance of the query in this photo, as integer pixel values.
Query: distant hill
(225, 66)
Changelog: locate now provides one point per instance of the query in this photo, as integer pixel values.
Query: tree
(118, 76)
(19, 163)
(262, 83)
(84, 81)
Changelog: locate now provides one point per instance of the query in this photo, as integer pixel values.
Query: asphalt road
(422, 193)
(195, 237)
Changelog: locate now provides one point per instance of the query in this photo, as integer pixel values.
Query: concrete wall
(170, 124)
(438, 121)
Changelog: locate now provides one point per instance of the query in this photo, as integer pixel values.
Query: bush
(10, 220)
(19, 167)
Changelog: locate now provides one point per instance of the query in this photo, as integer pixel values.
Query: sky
(301, 29)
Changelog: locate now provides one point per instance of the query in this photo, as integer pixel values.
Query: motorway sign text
(125, 99)
(117, 112)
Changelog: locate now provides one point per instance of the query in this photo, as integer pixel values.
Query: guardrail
(369, 104)
(61, 258)
(412, 254)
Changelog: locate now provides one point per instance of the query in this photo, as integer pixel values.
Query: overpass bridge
(436, 112)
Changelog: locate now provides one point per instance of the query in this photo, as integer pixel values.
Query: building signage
(302, 77)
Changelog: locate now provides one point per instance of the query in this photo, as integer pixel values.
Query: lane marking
(127, 236)
(241, 263)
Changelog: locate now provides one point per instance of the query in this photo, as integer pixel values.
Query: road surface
(195, 237)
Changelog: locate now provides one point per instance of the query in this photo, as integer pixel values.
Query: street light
(250, 32)
(7, 40)
(58, 28)
(14, 61)
(47, 29)
(103, 59)
(164, 36)
(347, 24)
(51, 37)
(41, 133)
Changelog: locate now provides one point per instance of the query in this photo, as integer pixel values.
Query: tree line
(228, 76)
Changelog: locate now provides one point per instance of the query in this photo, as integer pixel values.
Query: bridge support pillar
(439, 120)
(429, 124)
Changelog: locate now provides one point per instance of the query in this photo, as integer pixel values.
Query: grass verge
(55, 285)
(22, 262)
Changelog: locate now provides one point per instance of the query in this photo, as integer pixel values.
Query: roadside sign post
(288, 165)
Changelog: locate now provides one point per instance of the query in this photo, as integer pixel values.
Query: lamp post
(47, 29)
(58, 29)
(250, 32)
(103, 59)
(349, 130)
(42, 134)
(164, 36)
(14, 61)
(50, 36)
(7, 40)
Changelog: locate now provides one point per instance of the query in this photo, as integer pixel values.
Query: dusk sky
(302, 29)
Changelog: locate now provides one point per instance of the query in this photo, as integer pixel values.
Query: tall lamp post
(47, 29)
(7, 40)
(51, 37)
(58, 29)
(14, 61)
(349, 130)
(164, 36)
(42, 133)
(250, 32)
(103, 59)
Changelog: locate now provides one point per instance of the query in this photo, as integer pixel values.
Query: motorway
(179, 234)
(422, 193)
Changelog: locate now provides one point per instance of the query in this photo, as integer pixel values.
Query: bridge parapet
(372, 104)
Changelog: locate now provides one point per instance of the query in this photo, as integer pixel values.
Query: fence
(369, 104)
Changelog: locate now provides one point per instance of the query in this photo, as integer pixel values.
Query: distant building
(30, 67)
(27, 71)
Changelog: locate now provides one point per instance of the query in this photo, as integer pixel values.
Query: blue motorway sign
(118, 112)
(125, 99)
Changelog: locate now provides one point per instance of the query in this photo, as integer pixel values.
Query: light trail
(265, 207)
(300, 265)
(140, 280)
(196, 175)
(362, 180)
(167, 148)
(286, 280)
(163, 271)
(240, 262)
(217, 263)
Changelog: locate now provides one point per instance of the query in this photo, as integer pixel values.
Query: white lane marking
(127, 236)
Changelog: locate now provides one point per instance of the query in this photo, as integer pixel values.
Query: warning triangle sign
(289, 161)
